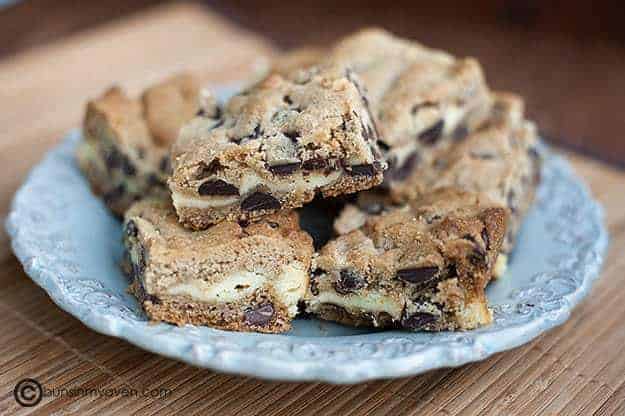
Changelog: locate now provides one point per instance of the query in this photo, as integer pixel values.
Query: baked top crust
(243, 277)
(430, 259)
(125, 152)
(286, 138)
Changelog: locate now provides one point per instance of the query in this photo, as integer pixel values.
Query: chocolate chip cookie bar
(421, 266)
(125, 152)
(499, 159)
(234, 276)
(421, 98)
(276, 146)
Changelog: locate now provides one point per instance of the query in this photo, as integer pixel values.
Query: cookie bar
(500, 159)
(125, 151)
(422, 266)
(421, 98)
(276, 146)
(235, 276)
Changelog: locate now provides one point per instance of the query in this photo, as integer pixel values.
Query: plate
(70, 246)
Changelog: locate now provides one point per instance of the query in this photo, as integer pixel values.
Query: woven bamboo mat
(578, 368)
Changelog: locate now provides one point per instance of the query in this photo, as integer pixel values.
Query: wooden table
(578, 368)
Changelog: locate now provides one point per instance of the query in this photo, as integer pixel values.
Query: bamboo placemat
(578, 368)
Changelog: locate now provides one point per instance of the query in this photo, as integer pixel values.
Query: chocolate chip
(470, 238)
(415, 108)
(260, 316)
(155, 181)
(432, 218)
(130, 229)
(301, 310)
(433, 133)
(244, 223)
(349, 281)
(383, 146)
(113, 158)
(138, 267)
(314, 281)
(460, 132)
(285, 169)
(406, 168)
(202, 113)
(127, 167)
(126, 264)
(478, 257)
(255, 134)
(361, 170)
(292, 135)
(258, 201)
(204, 170)
(114, 194)
(287, 100)
(485, 238)
(416, 321)
(217, 187)
(152, 299)
(165, 165)
(418, 274)
(451, 272)
(314, 164)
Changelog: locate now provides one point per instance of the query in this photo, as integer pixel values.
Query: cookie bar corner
(241, 277)
(125, 150)
(422, 266)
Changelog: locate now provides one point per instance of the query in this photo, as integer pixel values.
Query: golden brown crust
(499, 160)
(237, 276)
(275, 147)
(425, 264)
(167, 106)
(228, 316)
(421, 98)
(125, 152)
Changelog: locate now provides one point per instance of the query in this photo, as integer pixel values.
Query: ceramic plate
(71, 247)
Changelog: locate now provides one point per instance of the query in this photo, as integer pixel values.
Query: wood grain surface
(578, 368)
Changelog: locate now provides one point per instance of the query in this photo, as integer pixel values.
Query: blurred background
(566, 58)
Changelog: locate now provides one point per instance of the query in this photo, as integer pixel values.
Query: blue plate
(70, 246)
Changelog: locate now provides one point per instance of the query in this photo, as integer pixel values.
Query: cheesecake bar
(422, 99)
(234, 276)
(125, 151)
(276, 146)
(499, 159)
(420, 266)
